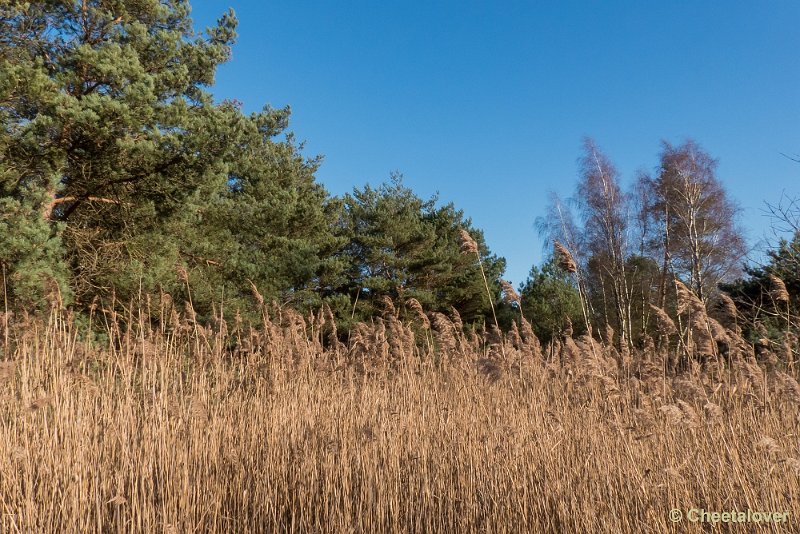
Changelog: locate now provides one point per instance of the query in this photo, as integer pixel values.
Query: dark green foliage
(117, 162)
(108, 133)
(403, 247)
(273, 227)
(642, 279)
(121, 178)
(762, 309)
(549, 297)
(30, 256)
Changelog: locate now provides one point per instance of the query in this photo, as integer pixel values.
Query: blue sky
(487, 102)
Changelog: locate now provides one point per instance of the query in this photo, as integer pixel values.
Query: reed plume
(566, 261)
(728, 308)
(778, 290)
(780, 295)
(416, 307)
(470, 246)
(664, 323)
(388, 306)
(564, 258)
(256, 294)
(510, 295)
(687, 300)
(260, 428)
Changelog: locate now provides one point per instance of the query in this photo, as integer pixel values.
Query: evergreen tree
(549, 298)
(272, 226)
(401, 246)
(121, 175)
(108, 131)
(769, 297)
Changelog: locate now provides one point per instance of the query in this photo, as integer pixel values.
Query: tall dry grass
(412, 426)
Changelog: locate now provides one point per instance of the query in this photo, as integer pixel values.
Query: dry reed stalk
(470, 246)
(181, 442)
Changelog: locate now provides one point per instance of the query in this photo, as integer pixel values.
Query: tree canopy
(403, 247)
(121, 176)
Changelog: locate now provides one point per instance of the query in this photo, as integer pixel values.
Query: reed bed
(408, 426)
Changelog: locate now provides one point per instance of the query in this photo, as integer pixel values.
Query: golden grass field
(410, 426)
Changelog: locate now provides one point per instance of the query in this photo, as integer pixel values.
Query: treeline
(121, 177)
(634, 256)
(122, 180)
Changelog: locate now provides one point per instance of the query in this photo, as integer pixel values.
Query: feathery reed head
(726, 305)
(416, 307)
(456, 318)
(256, 295)
(718, 332)
(567, 329)
(664, 323)
(778, 290)
(468, 244)
(702, 336)
(509, 294)
(687, 300)
(444, 331)
(609, 335)
(388, 305)
(183, 274)
(564, 258)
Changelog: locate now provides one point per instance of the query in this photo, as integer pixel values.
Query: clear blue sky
(487, 102)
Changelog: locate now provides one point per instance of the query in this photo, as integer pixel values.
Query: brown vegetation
(184, 428)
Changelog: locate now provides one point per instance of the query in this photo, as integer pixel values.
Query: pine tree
(549, 298)
(404, 247)
(271, 226)
(108, 131)
(120, 174)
